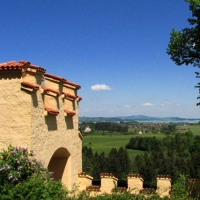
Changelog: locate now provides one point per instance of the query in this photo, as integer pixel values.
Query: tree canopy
(184, 45)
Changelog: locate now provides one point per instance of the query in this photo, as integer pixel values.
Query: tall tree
(184, 45)
(113, 163)
(124, 161)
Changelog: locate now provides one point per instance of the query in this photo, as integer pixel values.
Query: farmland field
(104, 142)
(195, 129)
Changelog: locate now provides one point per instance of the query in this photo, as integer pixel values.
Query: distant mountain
(139, 118)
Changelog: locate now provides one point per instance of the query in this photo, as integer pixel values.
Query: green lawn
(104, 142)
(99, 142)
(195, 129)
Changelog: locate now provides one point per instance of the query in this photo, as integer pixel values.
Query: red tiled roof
(51, 111)
(11, 65)
(134, 176)
(69, 112)
(70, 95)
(163, 176)
(54, 77)
(63, 80)
(51, 90)
(30, 85)
(32, 66)
(22, 64)
(73, 84)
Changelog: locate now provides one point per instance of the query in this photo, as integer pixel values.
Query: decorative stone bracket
(50, 91)
(29, 86)
(66, 95)
(68, 112)
(49, 111)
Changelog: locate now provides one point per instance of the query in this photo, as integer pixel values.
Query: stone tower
(40, 111)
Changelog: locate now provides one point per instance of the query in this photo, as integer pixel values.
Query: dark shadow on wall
(51, 122)
(10, 74)
(33, 97)
(58, 163)
(69, 122)
(57, 166)
(34, 100)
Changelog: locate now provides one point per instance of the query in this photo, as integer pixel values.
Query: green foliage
(23, 177)
(179, 188)
(168, 129)
(36, 188)
(174, 154)
(117, 162)
(184, 46)
(117, 194)
(111, 127)
(17, 164)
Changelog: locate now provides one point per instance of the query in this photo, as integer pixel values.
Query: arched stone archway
(60, 164)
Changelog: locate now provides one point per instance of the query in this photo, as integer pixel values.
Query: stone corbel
(69, 113)
(50, 111)
(29, 86)
(68, 96)
(50, 91)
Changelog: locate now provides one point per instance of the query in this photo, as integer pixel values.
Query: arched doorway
(60, 165)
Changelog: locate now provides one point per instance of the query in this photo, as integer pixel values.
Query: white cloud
(99, 87)
(178, 104)
(127, 106)
(148, 104)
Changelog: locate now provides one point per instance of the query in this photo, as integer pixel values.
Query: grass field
(100, 142)
(195, 129)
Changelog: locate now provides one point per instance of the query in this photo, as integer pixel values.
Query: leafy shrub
(24, 177)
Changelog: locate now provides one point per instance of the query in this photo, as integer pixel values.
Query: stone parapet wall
(163, 185)
(134, 185)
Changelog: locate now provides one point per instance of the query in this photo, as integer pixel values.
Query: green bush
(24, 177)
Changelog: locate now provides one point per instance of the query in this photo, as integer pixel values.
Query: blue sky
(114, 49)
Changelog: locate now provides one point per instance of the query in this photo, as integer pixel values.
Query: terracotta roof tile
(73, 84)
(51, 111)
(27, 63)
(134, 176)
(11, 65)
(51, 90)
(54, 77)
(38, 68)
(63, 80)
(69, 95)
(22, 64)
(30, 85)
(79, 98)
(69, 112)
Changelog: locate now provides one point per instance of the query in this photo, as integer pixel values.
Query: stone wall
(36, 114)
(134, 184)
